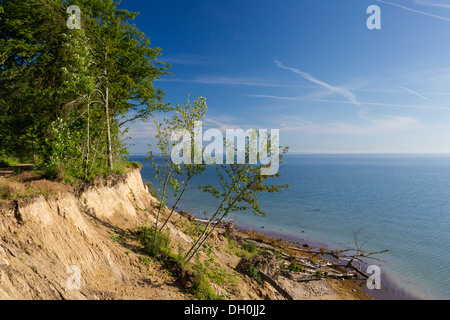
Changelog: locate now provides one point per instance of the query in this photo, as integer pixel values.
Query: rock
(4, 262)
(186, 215)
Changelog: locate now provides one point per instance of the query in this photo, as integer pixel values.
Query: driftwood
(312, 267)
(300, 260)
(274, 284)
(352, 266)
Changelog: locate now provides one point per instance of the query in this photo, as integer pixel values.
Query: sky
(310, 68)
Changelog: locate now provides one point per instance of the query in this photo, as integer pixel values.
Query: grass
(8, 162)
(145, 260)
(146, 236)
(293, 266)
(133, 164)
(249, 247)
(24, 186)
(252, 272)
(192, 228)
(120, 167)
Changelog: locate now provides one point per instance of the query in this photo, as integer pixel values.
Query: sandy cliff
(75, 246)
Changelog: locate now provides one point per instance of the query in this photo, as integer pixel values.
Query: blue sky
(310, 68)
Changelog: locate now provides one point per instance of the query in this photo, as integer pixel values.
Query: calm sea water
(401, 202)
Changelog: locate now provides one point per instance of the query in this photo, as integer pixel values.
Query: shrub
(201, 287)
(151, 189)
(133, 164)
(252, 272)
(146, 236)
(8, 162)
(319, 274)
(249, 246)
(293, 266)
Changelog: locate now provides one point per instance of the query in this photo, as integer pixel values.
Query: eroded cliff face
(80, 245)
(67, 247)
(77, 246)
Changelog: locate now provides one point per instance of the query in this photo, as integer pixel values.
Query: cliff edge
(79, 245)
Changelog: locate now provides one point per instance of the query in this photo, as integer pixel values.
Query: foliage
(146, 236)
(201, 287)
(239, 188)
(167, 171)
(253, 272)
(151, 189)
(250, 247)
(8, 162)
(293, 266)
(67, 96)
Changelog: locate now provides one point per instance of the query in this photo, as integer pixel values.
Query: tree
(166, 171)
(35, 74)
(124, 65)
(96, 80)
(239, 188)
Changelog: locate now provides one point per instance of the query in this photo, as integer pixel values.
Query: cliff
(80, 245)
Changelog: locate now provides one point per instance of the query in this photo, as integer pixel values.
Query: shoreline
(390, 290)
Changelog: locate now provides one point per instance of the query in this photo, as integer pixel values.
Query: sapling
(167, 172)
(239, 188)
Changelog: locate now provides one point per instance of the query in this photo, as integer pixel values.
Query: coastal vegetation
(68, 95)
(67, 99)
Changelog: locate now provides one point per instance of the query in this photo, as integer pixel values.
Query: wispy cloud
(376, 104)
(366, 125)
(432, 4)
(377, 126)
(414, 93)
(220, 124)
(192, 60)
(339, 90)
(421, 96)
(414, 10)
(140, 130)
(235, 81)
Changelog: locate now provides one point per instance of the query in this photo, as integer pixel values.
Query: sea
(376, 202)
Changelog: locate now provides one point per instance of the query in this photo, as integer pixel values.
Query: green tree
(96, 80)
(168, 173)
(124, 66)
(239, 188)
(34, 73)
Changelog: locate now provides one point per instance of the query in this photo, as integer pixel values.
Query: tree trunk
(87, 142)
(108, 127)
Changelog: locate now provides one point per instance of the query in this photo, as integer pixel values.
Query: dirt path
(9, 171)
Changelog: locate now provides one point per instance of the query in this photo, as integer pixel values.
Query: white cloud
(416, 11)
(238, 81)
(376, 126)
(379, 104)
(191, 60)
(432, 4)
(339, 90)
(141, 130)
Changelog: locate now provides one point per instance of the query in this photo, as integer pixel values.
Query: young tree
(167, 172)
(239, 188)
(187, 117)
